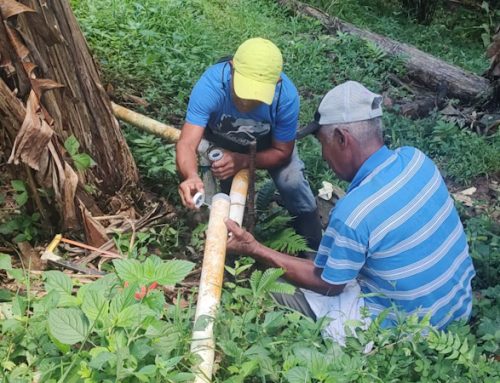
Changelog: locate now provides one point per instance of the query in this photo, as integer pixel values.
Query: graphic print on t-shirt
(242, 128)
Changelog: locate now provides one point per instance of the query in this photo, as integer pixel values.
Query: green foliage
(155, 159)
(491, 22)
(157, 50)
(16, 224)
(273, 229)
(103, 333)
(422, 10)
(483, 235)
(21, 227)
(81, 161)
(262, 343)
(267, 282)
(454, 34)
(460, 154)
(152, 270)
(168, 240)
(21, 196)
(288, 241)
(265, 195)
(486, 320)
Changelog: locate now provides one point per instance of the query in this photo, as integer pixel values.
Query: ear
(340, 136)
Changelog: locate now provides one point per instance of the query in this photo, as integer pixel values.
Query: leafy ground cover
(457, 34)
(123, 328)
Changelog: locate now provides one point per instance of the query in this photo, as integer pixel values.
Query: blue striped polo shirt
(398, 233)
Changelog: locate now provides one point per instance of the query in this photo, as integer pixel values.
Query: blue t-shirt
(210, 105)
(398, 233)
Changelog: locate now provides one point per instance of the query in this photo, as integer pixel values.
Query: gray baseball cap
(347, 102)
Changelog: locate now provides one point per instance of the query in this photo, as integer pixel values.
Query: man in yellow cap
(240, 99)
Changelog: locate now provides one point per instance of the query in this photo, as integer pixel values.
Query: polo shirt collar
(369, 165)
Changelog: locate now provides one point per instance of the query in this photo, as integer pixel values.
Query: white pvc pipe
(238, 196)
(210, 289)
(222, 206)
(168, 132)
(171, 134)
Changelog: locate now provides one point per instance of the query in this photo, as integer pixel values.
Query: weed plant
(110, 331)
(458, 36)
(120, 328)
(158, 49)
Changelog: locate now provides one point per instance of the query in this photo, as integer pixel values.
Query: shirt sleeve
(287, 118)
(204, 99)
(341, 254)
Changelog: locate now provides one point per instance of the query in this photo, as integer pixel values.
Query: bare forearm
(301, 272)
(187, 163)
(271, 158)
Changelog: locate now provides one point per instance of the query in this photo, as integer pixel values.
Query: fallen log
(422, 68)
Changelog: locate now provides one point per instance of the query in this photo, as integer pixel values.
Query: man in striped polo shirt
(394, 242)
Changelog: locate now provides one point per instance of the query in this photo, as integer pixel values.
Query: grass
(158, 49)
(454, 35)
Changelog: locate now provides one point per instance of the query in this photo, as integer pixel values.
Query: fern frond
(276, 223)
(265, 196)
(377, 52)
(282, 288)
(452, 347)
(288, 241)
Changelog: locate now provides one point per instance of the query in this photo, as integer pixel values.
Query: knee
(289, 177)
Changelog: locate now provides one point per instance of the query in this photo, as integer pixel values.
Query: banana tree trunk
(50, 90)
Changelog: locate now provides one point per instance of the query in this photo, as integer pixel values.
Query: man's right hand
(188, 188)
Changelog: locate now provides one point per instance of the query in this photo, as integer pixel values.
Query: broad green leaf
(19, 305)
(146, 373)
(182, 377)
(248, 367)
(298, 375)
(129, 270)
(94, 304)
(5, 295)
(150, 265)
(133, 315)
(155, 300)
(18, 186)
(48, 302)
(72, 145)
(5, 262)
(172, 272)
(141, 348)
(101, 357)
(64, 348)
(68, 325)
(164, 345)
(274, 319)
(82, 161)
(60, 282)
(202, 322)
(9, 227)
(21, 198)
(120, 301)
(231, 348)
(17, 274)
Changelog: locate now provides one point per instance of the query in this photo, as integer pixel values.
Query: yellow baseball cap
(257, 67)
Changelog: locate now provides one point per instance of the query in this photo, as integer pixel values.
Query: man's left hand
(230, 164)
